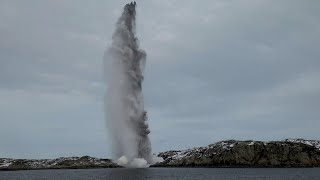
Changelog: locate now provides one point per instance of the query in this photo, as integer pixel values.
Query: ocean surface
(168, 173)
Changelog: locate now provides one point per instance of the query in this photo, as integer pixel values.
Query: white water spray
(126, 118)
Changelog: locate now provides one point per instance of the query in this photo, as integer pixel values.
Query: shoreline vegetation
(289, 153)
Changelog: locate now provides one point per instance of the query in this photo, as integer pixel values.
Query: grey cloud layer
(233, 69)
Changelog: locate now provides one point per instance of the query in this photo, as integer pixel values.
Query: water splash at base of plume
(137, 162)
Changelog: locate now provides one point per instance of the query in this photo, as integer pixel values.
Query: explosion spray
(124, 62)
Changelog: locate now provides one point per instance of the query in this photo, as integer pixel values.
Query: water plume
(126, 118)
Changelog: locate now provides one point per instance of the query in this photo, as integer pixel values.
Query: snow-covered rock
(232, 153)
(69, 162)
(314, 143)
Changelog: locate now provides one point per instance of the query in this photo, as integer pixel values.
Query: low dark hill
(287, 153)
(84, 162)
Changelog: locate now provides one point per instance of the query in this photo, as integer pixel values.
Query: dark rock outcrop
(287, 153)
(60, 163)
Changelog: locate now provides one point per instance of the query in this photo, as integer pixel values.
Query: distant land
(230, 153)
(85, 162)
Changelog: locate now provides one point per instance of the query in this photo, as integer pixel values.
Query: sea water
(168, 173)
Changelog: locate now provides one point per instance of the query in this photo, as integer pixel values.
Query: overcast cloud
(216, 70)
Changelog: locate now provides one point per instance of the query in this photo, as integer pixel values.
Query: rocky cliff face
(60, 163)
(287, 153)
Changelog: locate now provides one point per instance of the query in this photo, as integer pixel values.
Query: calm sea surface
(167, 173)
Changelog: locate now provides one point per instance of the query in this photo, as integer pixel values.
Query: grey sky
(216, 70)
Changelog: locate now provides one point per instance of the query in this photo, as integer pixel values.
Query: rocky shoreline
(230, 154)
(85, 162)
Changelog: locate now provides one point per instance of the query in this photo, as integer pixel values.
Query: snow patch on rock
(251, 143)
(314, 143)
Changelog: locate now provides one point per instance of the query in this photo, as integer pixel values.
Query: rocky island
(230, 153)
(85, 162)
